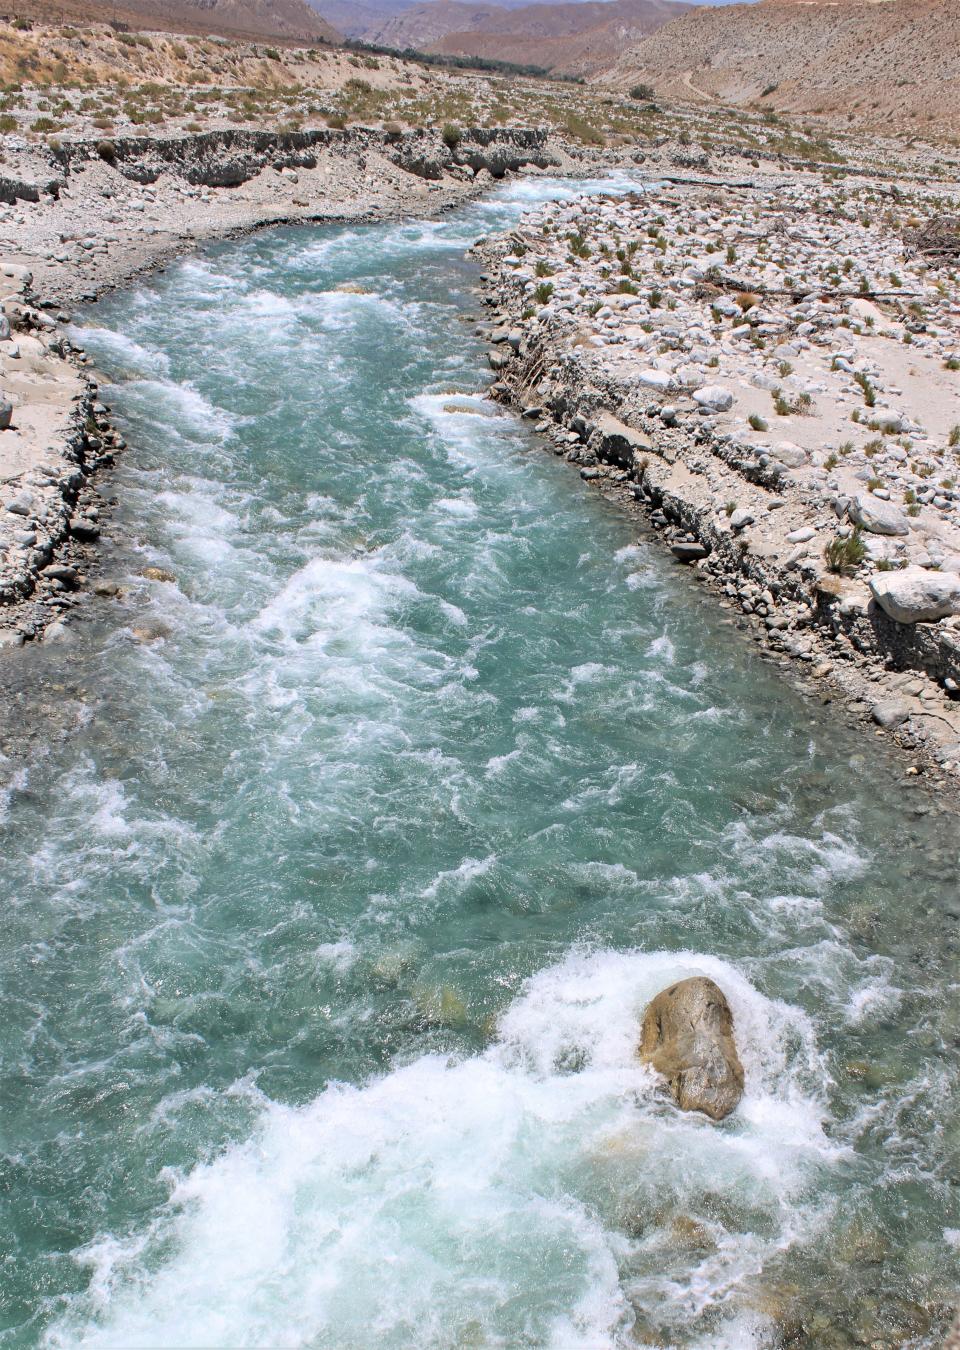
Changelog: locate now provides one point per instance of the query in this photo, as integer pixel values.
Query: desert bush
(642, 93)
(107, 151)
(845, 553)
(451, 136)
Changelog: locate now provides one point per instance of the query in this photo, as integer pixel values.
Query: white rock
(877, 516)
(793, 456)
(917, 595)
(714, 397)
(654, 379)
(801, 536)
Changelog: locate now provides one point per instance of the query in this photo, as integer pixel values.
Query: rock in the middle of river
(687, 1036)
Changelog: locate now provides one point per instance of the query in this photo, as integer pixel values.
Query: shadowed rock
(687, 1036)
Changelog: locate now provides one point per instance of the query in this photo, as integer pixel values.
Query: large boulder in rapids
(687, 1036)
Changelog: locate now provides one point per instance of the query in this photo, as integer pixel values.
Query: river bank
(89, 220)
(770, 380)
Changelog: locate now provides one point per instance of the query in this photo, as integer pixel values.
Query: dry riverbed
(772, 378)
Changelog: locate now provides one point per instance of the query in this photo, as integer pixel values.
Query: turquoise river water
(326, 935)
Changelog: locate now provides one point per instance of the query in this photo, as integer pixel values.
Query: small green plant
(952, 363)
(913, 509)
(784, 368)
(831, 461)
(874, 483)
(543, 292)
(272, 54)
(451, 136)
(845, 553)
(543, 269)
(954, 438)
(730, 507)
(642, 93)
(731, 254)
(846, 448)
(7, 122)
(781, 405)
(757, 422)
(869, 393)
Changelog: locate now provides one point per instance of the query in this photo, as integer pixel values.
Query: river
(327, 933)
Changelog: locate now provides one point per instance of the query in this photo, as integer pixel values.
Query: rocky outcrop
(232, 156)
(688, 1037)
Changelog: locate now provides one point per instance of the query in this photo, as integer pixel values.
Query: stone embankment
(88, 215)
(774, 381)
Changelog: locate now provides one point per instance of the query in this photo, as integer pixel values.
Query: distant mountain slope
(890, 64)
(572, 37)
(247, 18)
(354, 18)
(274, 18)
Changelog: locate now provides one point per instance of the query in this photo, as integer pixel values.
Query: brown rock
(687, 1036)
(157, 574)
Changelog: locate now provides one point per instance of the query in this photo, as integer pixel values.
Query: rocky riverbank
(89, 216)
(772, 380)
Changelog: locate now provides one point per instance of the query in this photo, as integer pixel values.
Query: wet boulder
(687, 1036)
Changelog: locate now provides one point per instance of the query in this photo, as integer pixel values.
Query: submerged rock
(687, 1036)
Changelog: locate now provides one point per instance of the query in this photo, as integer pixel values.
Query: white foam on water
(522, 1195)
(123, 353)
(332, 597)
(182, 410)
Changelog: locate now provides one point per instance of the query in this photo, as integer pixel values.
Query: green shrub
(642, 93)
(107, 151)
(7, 122)
(543, 292)
(543, 269)
(451, 136)
(869, 393)
(845, 554)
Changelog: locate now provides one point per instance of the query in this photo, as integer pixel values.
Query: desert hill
(572, 38)
(281, 19)
(888, 65)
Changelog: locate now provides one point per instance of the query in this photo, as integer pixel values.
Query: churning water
(327, 934)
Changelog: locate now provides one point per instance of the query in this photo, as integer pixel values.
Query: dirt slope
(883, 65)
(281, 19)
